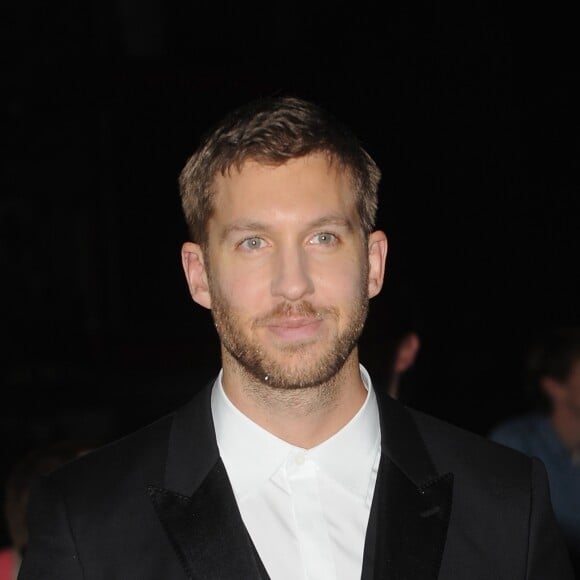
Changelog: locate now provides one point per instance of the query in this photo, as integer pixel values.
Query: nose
(291, 279)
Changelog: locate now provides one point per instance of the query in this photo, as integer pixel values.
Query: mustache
(302, 309)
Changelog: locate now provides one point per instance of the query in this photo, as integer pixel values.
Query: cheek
(242, 291)
(343, 284)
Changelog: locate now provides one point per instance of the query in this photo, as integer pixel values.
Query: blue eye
(324, 238)
(252, 243)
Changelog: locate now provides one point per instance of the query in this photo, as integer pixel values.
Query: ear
(377, 254)
(195, 273)
(407, 352)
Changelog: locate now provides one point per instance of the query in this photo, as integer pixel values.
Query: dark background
(470, 109)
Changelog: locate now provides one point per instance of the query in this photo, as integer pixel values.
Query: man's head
(285, 259)
(272, 131)
(553, 368)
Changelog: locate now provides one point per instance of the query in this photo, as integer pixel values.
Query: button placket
(311, 523)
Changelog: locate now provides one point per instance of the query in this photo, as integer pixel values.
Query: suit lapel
(197, 506)
(206, 530)
(411, 505)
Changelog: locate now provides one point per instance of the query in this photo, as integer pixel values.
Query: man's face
(288, 270)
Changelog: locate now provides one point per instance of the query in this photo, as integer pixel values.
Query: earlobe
(377, 255)
(192, 260)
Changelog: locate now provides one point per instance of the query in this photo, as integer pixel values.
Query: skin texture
(288, 274)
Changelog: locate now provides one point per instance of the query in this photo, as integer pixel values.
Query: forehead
(310, 183)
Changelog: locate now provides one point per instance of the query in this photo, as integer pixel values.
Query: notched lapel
(207, 531)
(411, 524)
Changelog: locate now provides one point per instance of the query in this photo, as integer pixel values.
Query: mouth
(294, 328)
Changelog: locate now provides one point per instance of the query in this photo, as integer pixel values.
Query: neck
(303, 417)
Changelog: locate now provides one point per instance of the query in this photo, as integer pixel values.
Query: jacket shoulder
(456, 449)
(140, 454)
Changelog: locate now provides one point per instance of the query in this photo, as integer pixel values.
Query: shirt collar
(348, 457)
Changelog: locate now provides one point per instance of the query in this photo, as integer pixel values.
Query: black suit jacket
(158, 505)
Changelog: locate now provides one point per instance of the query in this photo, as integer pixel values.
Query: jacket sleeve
(547, 553)
(51, 553)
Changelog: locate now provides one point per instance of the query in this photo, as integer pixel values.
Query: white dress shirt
(306, 510)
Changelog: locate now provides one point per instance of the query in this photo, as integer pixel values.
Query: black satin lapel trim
(407, 526)
(402, 442)
(207, 531)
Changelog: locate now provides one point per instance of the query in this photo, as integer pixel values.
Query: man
(552, 432)
(291, 464)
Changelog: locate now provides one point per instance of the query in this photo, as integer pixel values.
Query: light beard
(292, 370)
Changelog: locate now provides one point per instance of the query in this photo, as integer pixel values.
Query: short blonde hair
(273, 131)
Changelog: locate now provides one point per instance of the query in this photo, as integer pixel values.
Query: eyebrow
(332, 220)
(242, 227)
(255, 226)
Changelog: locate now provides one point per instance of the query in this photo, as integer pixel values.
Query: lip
(294, 328)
